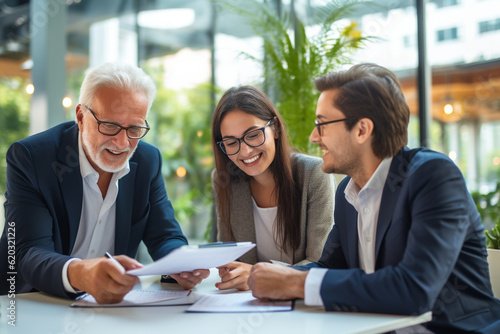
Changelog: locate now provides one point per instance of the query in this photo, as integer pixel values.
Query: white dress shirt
(96, 231)
(264, 220)
(366, 201)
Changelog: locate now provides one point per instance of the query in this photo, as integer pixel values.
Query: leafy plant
(294, 56)
(179, 120)
(488, 206)
(493, 237)
(14, 120)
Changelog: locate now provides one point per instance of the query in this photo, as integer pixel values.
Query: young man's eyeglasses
(319, 125)
(253, 138)
(112, 129)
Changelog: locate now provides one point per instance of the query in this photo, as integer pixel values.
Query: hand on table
(234, 275)
(274, 281)
(103, 278)
(189, 280)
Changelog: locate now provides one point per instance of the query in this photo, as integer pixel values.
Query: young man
(407, 236)
(77, 191)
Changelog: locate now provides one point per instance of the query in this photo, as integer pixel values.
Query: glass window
(194, 52)
(465, 80)
(446, 3)
(487, 26)
(409, 41)
(447, 34)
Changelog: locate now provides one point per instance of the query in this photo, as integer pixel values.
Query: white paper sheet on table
(143, 298)
(189, 258)
(237, 302)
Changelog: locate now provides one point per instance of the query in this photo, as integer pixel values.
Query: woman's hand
(189, 280)
(234, 275)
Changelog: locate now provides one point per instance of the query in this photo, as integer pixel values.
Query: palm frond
(294, 57)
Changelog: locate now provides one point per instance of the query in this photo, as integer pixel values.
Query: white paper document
(237, 302)
(189, 258)
(143, 298)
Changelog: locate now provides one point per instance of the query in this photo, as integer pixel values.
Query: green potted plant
(488, 206)
(295, 53)
(493, 237)
(493, 242)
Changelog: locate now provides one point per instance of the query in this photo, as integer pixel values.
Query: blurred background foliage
(488, 205)
(294, 53)
(14, 119)
(180, 122)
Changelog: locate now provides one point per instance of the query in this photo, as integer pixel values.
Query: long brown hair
(254, 102)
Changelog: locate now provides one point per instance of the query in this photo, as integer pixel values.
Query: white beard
(96, 156)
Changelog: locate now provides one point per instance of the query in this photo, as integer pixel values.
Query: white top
(96, 231)
(367, 203)
(264, 220)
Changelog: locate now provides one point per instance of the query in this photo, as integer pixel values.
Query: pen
(109, 256)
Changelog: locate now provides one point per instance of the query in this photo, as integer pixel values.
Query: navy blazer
(44, 201)
(429, 250)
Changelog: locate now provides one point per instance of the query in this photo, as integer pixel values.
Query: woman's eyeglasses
(253, 138)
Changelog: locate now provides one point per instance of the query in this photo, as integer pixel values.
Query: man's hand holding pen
(104, 278)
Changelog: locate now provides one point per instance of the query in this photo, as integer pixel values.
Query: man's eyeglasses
(253, 138)
(112, 129)
(319, 125)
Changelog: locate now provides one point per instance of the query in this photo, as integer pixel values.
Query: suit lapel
(67, 168)
(352, 235)
(124, 205)
(390, 194)
(346, 219)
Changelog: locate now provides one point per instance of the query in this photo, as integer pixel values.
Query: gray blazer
(316, 220)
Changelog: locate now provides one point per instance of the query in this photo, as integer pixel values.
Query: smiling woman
(256, 153)
(263, 192)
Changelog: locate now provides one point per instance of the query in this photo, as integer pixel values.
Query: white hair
(120, 76)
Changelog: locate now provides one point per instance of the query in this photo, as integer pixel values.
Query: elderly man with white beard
(79, 190)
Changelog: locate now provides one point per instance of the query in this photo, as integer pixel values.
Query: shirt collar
(86, 168)
(376, 181)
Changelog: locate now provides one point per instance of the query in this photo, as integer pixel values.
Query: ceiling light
(181, 171)
(448, 109)
(166, 18)
(30, 89)
(66, 102)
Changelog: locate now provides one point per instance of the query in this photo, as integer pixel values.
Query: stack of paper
(238, 302)
(143, 298)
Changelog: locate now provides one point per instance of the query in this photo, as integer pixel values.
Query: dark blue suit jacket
(44, 200)
(430, 250)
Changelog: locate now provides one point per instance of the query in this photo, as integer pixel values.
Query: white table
(42, 313)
